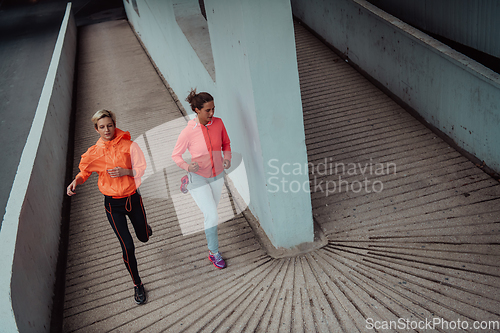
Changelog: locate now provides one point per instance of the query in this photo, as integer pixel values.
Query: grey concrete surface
(453, 93)
(424, 247)
(31, 227)
(28, 32)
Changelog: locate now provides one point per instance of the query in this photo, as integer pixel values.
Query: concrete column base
(320, 238)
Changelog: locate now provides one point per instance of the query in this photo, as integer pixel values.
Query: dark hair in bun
(197, 100)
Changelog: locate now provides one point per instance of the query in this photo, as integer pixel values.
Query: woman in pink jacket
(208, 143)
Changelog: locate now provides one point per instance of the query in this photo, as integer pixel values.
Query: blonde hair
(103, 114)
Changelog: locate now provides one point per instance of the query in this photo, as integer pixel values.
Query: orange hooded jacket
(119, 152)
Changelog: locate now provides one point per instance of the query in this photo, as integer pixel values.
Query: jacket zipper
(211, 151)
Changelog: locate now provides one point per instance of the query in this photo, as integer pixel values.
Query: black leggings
(116, 210)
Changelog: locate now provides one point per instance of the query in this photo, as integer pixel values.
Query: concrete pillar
(254, 52)
(254, 80)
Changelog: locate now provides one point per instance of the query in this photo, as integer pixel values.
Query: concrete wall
(29, 238)
(472, 23)
(450, 91)
(257, 94)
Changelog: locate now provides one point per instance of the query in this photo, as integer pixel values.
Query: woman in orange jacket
(120, 164)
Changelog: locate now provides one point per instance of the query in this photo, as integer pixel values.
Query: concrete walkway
(424, 245)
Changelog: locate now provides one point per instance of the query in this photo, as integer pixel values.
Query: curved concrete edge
(433, 45)
(452, 93)
(29, 236)
(479, 28)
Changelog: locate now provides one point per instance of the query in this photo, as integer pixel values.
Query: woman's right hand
(70, 190)
(193, 167)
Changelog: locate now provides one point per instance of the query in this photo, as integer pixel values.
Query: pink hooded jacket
(206, 144)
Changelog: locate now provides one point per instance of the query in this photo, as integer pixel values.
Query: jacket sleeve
(179, 149)
(85, 161)
(226, 144)
(137, 159)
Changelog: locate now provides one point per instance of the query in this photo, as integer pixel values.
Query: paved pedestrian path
(423, 244)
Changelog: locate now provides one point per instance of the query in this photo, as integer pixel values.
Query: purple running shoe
(184, 182)
(217, 260)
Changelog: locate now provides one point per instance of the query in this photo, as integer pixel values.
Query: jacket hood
(194, 122)
(119, 135)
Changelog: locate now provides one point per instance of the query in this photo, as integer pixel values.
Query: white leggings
(206, 193)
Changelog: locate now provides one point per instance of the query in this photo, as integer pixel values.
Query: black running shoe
(140, 294)
(150, 231)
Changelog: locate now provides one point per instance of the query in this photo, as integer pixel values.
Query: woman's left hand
(227, 164)
(119, 172)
